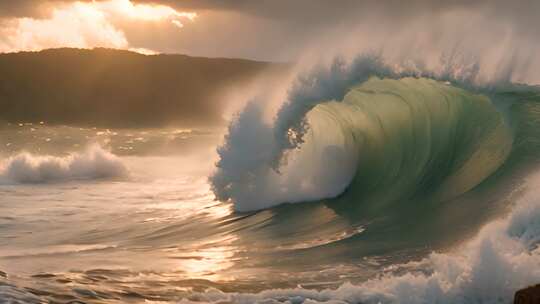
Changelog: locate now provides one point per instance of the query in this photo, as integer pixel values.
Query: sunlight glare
(146, 12)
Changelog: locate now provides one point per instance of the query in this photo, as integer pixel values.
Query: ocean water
(366, 186)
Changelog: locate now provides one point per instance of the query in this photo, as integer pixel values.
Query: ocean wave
(363, 128)
(93, 163)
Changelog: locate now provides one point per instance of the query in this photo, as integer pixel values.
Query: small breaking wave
(93, 163)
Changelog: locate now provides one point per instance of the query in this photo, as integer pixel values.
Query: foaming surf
(93, 163)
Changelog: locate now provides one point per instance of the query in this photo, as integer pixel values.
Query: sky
(273, 30)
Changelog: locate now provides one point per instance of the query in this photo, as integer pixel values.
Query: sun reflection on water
(206, 260)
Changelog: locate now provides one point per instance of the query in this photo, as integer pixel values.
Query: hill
(103, 87)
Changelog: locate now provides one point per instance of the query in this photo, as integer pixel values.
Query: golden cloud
(85, 24)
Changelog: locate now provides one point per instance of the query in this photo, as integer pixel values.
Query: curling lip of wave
(93, 163)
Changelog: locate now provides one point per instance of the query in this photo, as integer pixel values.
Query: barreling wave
(93, 163)
(417, 137)
(368, 131)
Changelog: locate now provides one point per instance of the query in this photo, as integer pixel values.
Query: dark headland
(115, 88)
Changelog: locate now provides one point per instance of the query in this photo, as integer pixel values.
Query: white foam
(255, 149)
(503, 258)
(93, 163)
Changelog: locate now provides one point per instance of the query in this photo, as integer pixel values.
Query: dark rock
(529, 295)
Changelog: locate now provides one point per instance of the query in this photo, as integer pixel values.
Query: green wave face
(414, 138)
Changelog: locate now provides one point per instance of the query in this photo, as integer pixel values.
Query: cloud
(79, 26)
(32, 8)
(23, 8)
(82, 24)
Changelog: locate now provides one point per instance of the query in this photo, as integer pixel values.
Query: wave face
(93, 163)
(366, 131)
(417, 137)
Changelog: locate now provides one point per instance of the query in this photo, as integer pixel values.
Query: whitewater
(351, 181)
